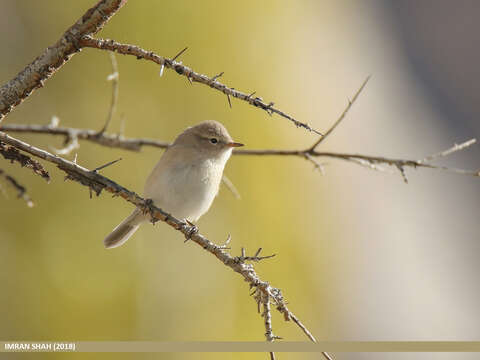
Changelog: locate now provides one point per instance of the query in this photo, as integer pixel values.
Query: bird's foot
(190, 229)
(148, 209)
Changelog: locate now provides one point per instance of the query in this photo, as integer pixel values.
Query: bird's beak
(234, 144)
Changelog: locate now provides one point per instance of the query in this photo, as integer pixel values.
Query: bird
(186, 179)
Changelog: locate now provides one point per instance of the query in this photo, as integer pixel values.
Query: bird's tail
(124, 230)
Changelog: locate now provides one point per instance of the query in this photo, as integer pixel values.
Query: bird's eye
(213, 140)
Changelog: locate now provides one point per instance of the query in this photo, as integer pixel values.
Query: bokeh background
(361, 255)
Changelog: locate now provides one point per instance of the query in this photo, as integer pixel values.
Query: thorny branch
(72, 135)
(190, 74)
(79, 36)
(135, 144)
(98, 183)
(69, 134)
(44, 66)
(11, 153)
(267, 319)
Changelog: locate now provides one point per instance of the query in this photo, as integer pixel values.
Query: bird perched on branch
(185, 180)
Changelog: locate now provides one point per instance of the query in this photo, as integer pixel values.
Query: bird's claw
(193, 229)
(148, 209)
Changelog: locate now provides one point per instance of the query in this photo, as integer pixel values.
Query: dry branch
(21, 190)
(190, 74)
(98, 183)
(342, 116)
(114, 78)
(11, 153)
(267, 319)
(135, 144)
(36, 73)
(104, 139)
(79, 36)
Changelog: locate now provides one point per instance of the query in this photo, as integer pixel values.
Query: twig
(98, 183)
(342, 116)
(180, 53)
(34, 75)
(21, 190)
(127, 49)
(453, 149)
(303, 327)
(368, 161)
(228, 183)
(255, 258)
(326, 355)
(229, 101)
(72, 144)
(114, 77)
(362, 159)
(371, 166)
(398, 163)
(318, 166)
(11, 153)
(104, 139)
(267, 317)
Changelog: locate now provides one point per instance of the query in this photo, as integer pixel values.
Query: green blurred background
(361, 255)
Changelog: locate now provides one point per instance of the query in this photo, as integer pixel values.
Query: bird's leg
(149, 209)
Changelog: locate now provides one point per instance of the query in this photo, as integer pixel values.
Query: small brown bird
(186, 179)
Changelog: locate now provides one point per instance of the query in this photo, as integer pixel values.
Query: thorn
(269, 108)
(112, 76)
(180, 53)
(229, 101)
(402, 172)
(162, 68)
(107, 164)
(54, 121)
(190, 80)
(217, 76)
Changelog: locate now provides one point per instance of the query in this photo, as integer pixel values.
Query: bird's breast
(185, 190)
